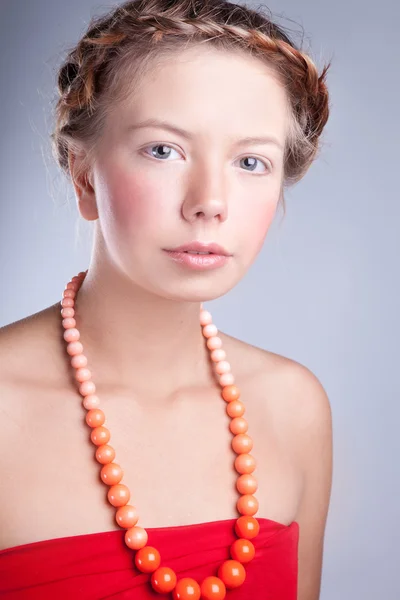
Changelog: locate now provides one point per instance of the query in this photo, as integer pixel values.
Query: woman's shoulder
(30, 404)
(27, 344)
(30, 364)
(266, 367)
(33, 327)
(280, 387)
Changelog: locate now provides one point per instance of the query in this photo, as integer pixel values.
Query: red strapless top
(97, 566)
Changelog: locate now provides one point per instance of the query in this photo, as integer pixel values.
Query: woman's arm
(315, 454)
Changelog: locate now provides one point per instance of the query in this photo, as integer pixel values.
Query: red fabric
(97, 566)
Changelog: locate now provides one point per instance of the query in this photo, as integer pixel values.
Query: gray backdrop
(324, 289)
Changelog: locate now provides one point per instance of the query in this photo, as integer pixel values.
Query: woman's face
(156, 188)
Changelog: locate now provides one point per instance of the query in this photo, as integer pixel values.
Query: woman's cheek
(257, 228)
(130, 200)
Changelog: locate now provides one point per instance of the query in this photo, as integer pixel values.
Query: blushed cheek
(258, 227)
(131, 200)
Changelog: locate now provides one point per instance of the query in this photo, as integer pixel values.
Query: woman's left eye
(253, 161)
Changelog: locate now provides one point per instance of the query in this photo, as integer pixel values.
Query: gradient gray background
(324, 290)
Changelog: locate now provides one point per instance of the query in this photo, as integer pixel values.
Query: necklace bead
(127, 516)
(242, 550)
(230, 392)
(231, 573)
(147, 559)
(246, 484)
(235, 408)
(163, 580)
(187, 589)
(95, 417)
(247, 527)
(238, 425)
(118, 494)
(111, 474)
(105, 454)
(213, 588)
(136, 537)
(245, 463)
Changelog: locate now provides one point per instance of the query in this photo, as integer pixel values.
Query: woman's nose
(206, 197)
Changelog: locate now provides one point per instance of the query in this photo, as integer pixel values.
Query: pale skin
(139, 322)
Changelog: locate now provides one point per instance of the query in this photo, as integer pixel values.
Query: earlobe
(84, 189)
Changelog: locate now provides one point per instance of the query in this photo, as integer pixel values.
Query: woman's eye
(161, 151)
(252, 163)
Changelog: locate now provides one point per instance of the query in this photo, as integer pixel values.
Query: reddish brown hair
(121, 45)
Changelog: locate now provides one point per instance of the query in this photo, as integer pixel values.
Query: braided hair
(119, 46)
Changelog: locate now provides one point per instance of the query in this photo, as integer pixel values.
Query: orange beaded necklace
(231, 573)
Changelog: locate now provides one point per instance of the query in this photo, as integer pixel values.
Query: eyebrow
(188, 136)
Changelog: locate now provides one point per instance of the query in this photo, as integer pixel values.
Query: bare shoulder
(29, 361)
(296, 401)
(27, 337)
(31, 402)
(302, 397)
(294, 398)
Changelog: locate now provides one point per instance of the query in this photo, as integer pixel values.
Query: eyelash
(266, 165)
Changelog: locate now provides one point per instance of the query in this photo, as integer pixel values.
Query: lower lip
(200, 262)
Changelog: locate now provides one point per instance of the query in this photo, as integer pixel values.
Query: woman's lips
(197, 246)
(199, 262)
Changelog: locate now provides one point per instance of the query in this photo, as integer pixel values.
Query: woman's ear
(82, 181)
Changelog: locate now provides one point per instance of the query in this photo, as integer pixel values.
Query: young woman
(143, 451)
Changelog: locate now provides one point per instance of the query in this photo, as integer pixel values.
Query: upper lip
(201, 247)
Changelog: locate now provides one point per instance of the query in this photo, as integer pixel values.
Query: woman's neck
(137, 339)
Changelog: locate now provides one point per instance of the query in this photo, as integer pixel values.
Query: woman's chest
(177, 461)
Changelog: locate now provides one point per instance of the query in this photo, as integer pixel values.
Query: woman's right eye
(161, 151)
